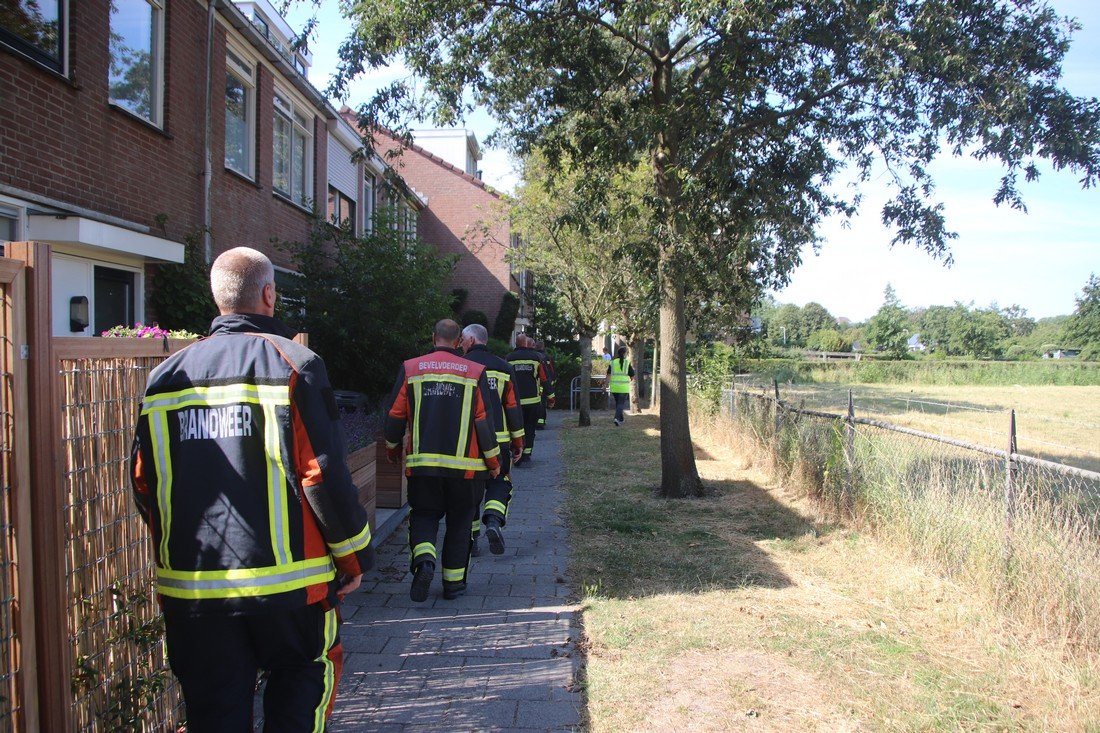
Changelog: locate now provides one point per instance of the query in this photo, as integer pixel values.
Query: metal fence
(1022, 527)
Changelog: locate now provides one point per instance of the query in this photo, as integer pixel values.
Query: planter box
(362, 464)
(392, 484)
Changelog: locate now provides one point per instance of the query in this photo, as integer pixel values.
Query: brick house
(463, 217)
(129, 129)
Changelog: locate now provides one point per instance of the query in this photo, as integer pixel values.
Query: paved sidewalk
(500, 658)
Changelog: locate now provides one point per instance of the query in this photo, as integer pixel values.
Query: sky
(1039, 260)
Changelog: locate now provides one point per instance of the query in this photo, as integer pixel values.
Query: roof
(350, 116)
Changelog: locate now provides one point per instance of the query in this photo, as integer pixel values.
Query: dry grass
(750, 610)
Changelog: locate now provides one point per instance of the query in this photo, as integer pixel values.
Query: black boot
(495, 534)
(422, 580)
(452, 591)
(475, 547)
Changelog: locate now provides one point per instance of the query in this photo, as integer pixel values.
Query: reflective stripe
(475, 526)
(359, 542)
(419, 378)
(494, 505)
(276, 488)
(530, 400)
(517, 434)
(453, 574)
(391, 445)
(220, 395)
(162, 460)
(424, 548)
(437, 460)
(464, 422)
(418, 395)
(199, 584)
(329, 673)
(503, 437)
(493, 452)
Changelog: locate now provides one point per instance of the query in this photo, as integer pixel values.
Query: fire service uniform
(440, 410)
(530, 383)
(548, 394)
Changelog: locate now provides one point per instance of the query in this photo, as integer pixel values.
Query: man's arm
(483, 427)
(320, 459)
(513, 415)
(397, 416)
(143, 472)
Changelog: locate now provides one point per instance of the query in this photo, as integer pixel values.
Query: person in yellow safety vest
(508, 423)
(440, 410)
(531, 380)
(619, 374)
(238, 470)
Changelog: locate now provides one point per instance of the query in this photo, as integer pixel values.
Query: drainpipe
(207, 172)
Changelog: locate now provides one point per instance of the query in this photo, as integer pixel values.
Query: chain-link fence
(1020, 527)
(120, 679)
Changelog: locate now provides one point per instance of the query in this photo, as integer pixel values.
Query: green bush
(506, 317)
(928, 371)
(475, 316)
(180, 296)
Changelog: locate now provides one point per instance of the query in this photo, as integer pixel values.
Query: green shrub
(180, 296)
(506, 317)
(475, 316)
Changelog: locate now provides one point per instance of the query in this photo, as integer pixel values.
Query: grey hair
(477, 332)
(238, 277)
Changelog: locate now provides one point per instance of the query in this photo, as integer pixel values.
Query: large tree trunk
(585, 396)
(637, 387)
(679, 476)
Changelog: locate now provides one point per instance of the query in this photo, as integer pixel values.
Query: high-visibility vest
(620, 376)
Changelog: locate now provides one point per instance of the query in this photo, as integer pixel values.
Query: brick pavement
(500, 658)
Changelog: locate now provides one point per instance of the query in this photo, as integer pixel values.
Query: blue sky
(1039, 260)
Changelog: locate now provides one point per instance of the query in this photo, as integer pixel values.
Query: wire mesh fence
(1023, 528)
(120, 679)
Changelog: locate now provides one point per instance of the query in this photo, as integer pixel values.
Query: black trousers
(496, 493)
(431, 499)
(530, 422)
(216, 659)
(622, 401)
(542, 413)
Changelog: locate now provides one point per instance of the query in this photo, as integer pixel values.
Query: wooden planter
(362, 464)
(392, 485)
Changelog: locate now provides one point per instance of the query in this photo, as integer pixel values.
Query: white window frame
(156, 101)
(237, 65)
(300, 119)
(370, 189)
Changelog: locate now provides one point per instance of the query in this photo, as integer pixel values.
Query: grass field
(1060, 423)
(749, 610)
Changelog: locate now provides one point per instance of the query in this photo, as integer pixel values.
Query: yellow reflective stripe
(238, 582)
(453, 574)
(497, 505)
(359, 542)
(518, 433)
(276, 489)
(162, 461)
(424, 548)
(502, 436)
(467, 417)
(475, 526)
(531, 400)
(419, 378)
(222, 394)
(329, 673)
(391, 445)
(493, 452)
(418, 398)
(437, 460)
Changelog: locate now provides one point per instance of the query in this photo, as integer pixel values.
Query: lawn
(750, 610)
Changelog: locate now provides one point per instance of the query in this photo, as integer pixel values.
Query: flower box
(362, 464)
(392, 484)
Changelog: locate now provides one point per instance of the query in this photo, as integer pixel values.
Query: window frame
(334, 211)
(34, 54)
(237, 66)
(300, 119)
(159, 42)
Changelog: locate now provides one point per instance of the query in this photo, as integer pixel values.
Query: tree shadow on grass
(629, 542)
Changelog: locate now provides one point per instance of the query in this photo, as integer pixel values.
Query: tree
(816, 318)
(886, 330)
(826, 339)
(935, 327)
(1083, 328)
(746, 113)
(364, 337)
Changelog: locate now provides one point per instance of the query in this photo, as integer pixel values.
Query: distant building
(914, 343)
(1062, 354)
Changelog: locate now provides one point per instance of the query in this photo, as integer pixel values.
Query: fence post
(778, 414)
(1010, 488)
(849, 450)
(733, 396)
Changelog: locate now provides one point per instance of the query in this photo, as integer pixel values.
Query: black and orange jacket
(238, 469)
(504, 406)
(551, 374)
(440, 407)
(531, 379)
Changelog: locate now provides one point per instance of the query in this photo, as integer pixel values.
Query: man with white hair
(507, 417)
(238, 469)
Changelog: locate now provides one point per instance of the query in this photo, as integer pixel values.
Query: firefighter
(238, 470)
(619, 374)
(530, 383)
(508, 424)
(440, 408)
(548, 396)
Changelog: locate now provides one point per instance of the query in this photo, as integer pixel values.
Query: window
(114, 298)
(341, 208)
(137, 35)
(35, 28)
(293, 152)
(368, 203)
(9, 225)
(240, 92)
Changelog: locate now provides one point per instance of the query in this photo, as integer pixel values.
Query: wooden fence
(80, 631)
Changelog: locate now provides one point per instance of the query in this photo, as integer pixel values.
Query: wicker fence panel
(120, 677)
(10, 643)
